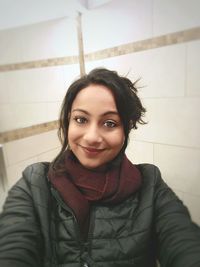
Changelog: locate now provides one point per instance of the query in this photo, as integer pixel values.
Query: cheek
(117, 140)
(72, 133)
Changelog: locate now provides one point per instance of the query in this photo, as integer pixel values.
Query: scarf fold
(79, 187)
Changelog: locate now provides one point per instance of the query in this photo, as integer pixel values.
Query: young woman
(91, 206)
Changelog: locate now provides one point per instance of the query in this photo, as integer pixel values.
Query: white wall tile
(43, 84)
(10, 46)
(171, 121)
(6, 118)
(70, 74)
(115, 23)
(28, 114)
(14, 172)
(193, 68)
(33, 96)
(4, 96)
(63, 37)
(29, 147)
(162, 70)
(56, 38)
(48, 155)
(179, 166)
(53, 111)
(90, 65)
(139, 152)
(13, 83)
(175, 15)
(15, 116)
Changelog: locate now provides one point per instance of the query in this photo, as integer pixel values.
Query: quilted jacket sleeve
(178, 238)
(20, 237)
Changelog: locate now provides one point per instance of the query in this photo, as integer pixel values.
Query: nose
(92, 135)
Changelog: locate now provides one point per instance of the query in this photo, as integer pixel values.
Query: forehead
(95, 95)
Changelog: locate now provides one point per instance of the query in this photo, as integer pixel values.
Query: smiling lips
(91, 150)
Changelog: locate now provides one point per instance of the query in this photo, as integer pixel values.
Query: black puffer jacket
(38, 230)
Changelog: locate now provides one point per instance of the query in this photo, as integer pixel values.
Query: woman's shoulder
(32, 187)
(152, 178)
(34, 176)
(36, 170)
(154, 185)
(149, 172)
(144, 167)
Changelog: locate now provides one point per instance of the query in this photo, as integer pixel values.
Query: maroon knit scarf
(79, 187)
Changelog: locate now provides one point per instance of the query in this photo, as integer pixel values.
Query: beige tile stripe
(160, 41)
(40, 63)
(155, 42)
(28, 131)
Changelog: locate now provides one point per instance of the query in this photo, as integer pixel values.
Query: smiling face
(95, 133)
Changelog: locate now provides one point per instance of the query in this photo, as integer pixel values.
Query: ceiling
(15, 13)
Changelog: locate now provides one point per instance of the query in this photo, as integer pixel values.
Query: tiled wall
(35, 93)
(37, 63)
(56, 38)
(36, 67)
(121, 22)
(157, 41)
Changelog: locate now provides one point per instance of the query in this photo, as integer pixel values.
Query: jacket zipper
(91, 228)
(66, 208)
(82, 242)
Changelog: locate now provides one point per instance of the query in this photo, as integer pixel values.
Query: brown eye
(110, 124)
(80, 120)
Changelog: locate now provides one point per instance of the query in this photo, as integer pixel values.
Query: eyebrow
(110, 112)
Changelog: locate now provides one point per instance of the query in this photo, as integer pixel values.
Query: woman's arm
(20, 237)
(178, 238)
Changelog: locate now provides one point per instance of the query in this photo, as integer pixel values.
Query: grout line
(31, 157)
(153, 17)
(186, 73)
(171, 97)
(164, 144)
